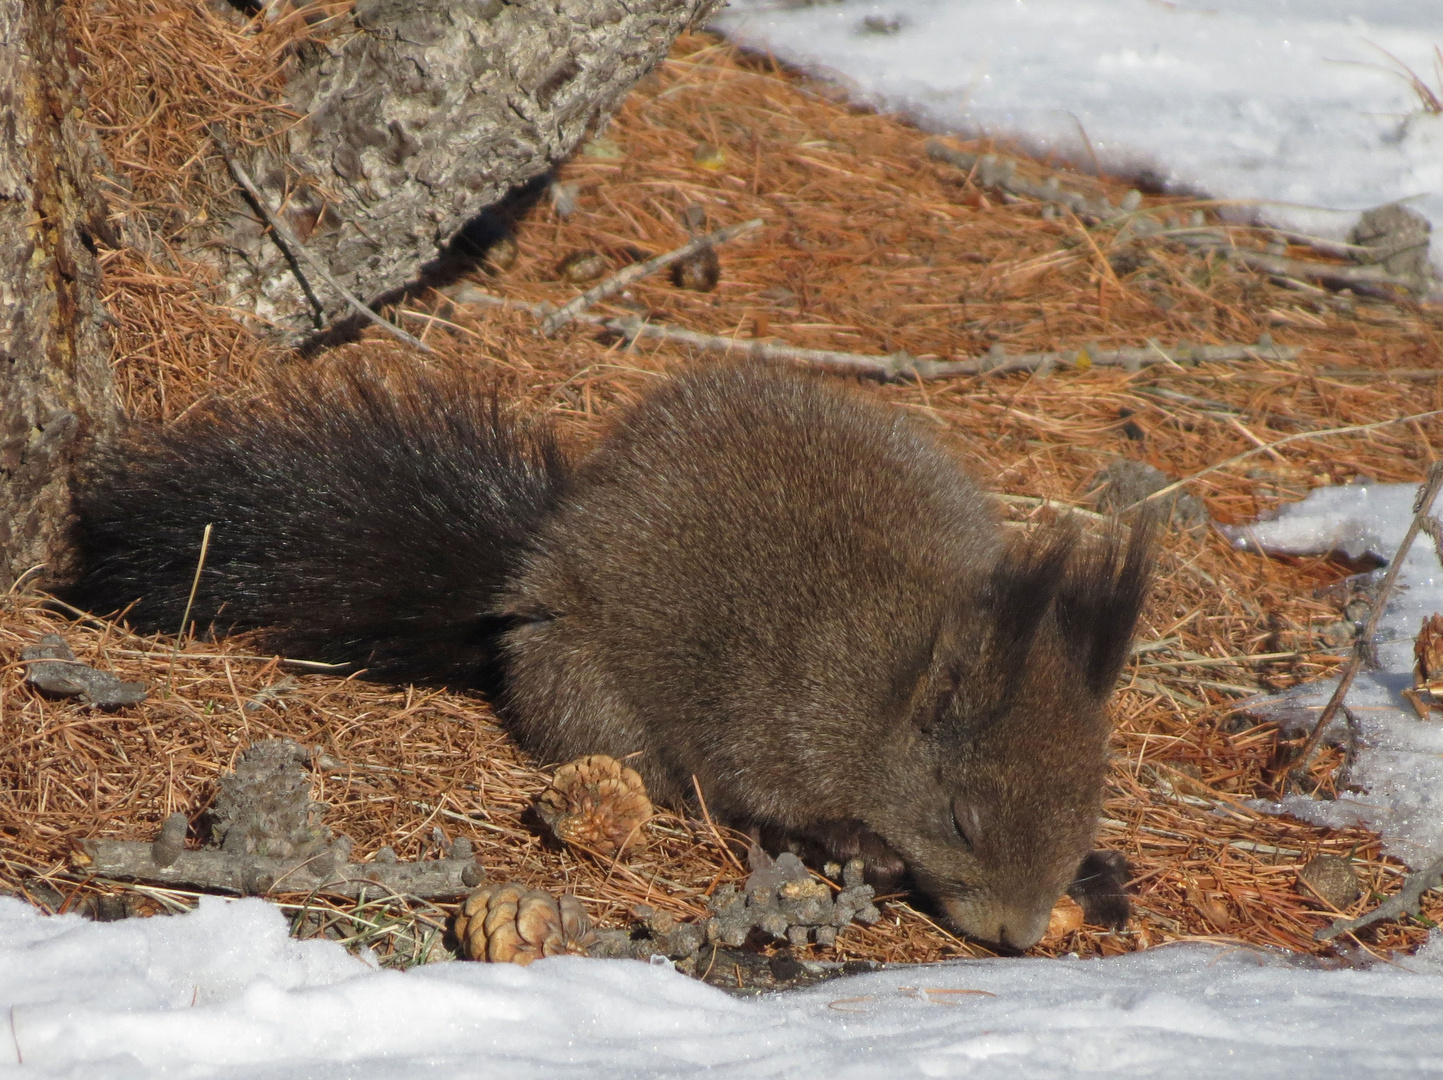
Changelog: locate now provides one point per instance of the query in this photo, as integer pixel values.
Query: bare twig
(1373, 279)
(989, 171)
(622, 278)
(1352, 429)
(1406, 901)
(1363, 646)
(901, 366)
(296, 249)
(231, 872)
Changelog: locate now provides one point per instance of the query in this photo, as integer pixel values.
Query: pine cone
(597, 803)
(1427, 692)
(510, 924)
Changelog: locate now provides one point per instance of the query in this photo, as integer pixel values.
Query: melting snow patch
(1399, 767)
(223, 993)
(1282, 101)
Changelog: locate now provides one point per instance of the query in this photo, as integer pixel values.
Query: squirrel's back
(747, 550)
(362, 514)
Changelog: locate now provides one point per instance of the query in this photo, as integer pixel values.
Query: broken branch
(296, 250)
(1406, 901)
(252, 875)
(901, 365)
(1363, 646)
(622, 278)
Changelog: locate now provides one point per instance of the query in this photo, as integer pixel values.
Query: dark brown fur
(792, 594)
(758, 579)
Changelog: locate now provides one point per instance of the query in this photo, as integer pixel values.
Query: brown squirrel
(758, 582)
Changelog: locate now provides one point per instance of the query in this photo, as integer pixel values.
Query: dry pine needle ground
(869, 247)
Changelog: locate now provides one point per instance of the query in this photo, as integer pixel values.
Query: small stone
(724, 898)
(387, 854)
(171, 841)
(1339, 633)
(735, 936)
(700, 271)
(880, 24)
(1396, 236)
(581, 267)
(798, 935)
(853, 873)
(826, 936)
(773, 923)
(832, 870)
(1331, 879)
(1357, 610)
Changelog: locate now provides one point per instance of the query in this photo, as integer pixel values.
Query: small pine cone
(511, 924)
(597, 803)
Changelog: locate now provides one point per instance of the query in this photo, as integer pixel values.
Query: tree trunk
(56, 387)
(420, 115)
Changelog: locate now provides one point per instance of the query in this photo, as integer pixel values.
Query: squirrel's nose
(1023, 930)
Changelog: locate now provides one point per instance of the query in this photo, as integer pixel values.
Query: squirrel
(759, 584)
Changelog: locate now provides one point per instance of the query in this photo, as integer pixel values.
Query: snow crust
(222, 992)
(1399, 766)
(1292, 105)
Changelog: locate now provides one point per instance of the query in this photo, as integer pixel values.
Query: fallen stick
(624, 277)
(1406, 901)
(991, 172)
(1363, 646)
(1374, 279)
(294, 249)
(901, 366)
(253, 875)
(1296, 437)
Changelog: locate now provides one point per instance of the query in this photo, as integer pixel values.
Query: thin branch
(241, 874)
(622, 278)
(901, 366)
(293, 247)
(1363, 646)
(1163, 492)
(1374, 279)
(990, 171)
(1406, 901)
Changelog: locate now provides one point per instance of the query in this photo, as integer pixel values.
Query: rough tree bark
(54, 357)
(417, 118)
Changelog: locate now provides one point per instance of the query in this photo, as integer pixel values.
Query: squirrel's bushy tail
(363, 516)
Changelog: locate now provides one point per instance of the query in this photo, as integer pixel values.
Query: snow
(1290, 105)
(222, 992)
(1399, 765)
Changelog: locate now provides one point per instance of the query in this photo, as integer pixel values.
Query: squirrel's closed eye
(966, 823)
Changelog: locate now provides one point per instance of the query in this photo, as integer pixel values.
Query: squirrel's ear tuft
(1101, 597)
(1019, 592)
